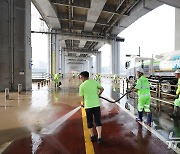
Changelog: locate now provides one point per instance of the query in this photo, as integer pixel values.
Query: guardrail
(159, 94)
(40, 75)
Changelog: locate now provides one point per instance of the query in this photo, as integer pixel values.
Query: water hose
(128, 91)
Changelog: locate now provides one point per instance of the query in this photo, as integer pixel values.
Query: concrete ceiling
(85, 25)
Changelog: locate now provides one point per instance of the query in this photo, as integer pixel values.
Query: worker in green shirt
(98, 77)
(90, 90)
(177, 101)
(115, 77)
(144, 96)
(57, 79)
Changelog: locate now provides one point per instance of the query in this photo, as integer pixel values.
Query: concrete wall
(15, 43)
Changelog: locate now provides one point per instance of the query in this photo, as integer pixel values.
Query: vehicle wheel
(166, 86)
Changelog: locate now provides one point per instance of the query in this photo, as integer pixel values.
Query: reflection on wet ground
(34, 120)
(162, 122)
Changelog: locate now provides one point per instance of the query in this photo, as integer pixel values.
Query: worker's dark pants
(93, 112)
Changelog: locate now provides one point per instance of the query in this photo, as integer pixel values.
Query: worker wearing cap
(144, 96)
(98, 77)
(56, 79)
(90, 90)
(177, 101)
(115, 78)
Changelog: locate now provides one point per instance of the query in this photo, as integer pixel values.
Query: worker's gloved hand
(177, 96)
(128, 90)
(134, 84)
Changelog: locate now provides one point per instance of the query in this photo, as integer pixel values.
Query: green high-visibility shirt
(178, 89)
(143, 87)
(56, 77)
(89, 89)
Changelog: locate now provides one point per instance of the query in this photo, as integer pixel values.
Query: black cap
(85, 74)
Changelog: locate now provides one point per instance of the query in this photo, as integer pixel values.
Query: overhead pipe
(97, 38)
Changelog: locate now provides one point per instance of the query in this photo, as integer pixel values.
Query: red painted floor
(121, 134)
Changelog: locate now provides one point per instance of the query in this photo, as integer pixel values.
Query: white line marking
(162, 138)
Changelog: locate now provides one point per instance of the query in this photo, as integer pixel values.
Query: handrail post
(19, 88)
(7, 94)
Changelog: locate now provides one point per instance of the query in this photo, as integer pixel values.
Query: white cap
(140, 70)
(177, 71)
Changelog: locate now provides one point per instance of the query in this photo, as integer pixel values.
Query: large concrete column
(115, 48)
(177, 29)
(15, 44)
(53, 53)
(90, 65)
(62, 61)
(49, 53)
(98, 62)
(57, 54)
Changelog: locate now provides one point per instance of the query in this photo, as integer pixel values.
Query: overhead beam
(80, 52)
(94, 13)
(135, 13)
(79, 36)
(47, 11)
(82, 43)
(83, 38)
(77, 3)
(174, 3)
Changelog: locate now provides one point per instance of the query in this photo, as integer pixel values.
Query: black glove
(134, 84)
(128, 90)
(177, 96)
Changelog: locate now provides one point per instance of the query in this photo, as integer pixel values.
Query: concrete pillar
(90, 65)
(98, 62)
(57, 54)
(115, 48)
(15, 44)
(62, 61)
(177, 29)
(49, 53)
(53, 53)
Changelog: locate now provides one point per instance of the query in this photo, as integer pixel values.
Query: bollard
(38, 85)
(160, 86)
(44, 82)
(41, 83)
(7, 94)
(19, 88)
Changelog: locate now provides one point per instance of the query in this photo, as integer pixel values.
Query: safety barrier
(19, 88)
(159, 92)
(43, 83)
(7, 94)
(159, 95)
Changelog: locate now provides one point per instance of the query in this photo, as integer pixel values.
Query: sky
(39, 41)
(153, 33)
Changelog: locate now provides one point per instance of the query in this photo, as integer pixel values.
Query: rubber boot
(140, 114)
(149, 119)
(175, 112)
(178, 111)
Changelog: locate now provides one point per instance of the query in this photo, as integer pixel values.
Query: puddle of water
(52, 127)
(36, 142)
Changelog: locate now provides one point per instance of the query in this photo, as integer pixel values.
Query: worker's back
(89, 89)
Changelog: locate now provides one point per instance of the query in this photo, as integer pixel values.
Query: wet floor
(48, 120)
(162, 122)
